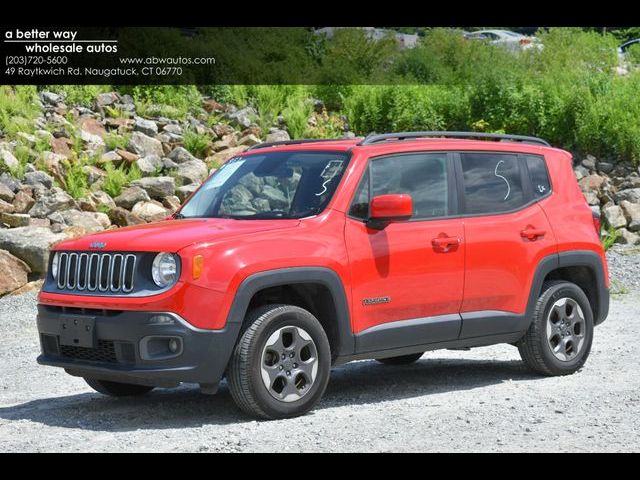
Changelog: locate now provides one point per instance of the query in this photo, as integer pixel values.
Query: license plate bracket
(78, 332)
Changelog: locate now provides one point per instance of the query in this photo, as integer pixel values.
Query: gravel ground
(480, 400)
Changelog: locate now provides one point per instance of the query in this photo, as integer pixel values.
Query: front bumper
(133, 347)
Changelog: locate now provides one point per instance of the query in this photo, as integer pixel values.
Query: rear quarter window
(540, 184)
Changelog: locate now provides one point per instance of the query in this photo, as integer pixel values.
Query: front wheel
(559, 338)
(116, 389)
(280, 366)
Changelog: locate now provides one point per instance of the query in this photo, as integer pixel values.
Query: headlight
(164, 270)
(54, 265)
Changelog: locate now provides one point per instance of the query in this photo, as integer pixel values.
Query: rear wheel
(559, 338)
(116, 389)
(402, 360)
(281, 364)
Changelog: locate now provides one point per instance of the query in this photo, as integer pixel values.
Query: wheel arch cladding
(317, 289)
(583, 268)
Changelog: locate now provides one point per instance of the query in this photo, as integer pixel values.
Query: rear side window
(538, 175)
(492, 182)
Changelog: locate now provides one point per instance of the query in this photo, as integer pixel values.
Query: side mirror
(386, 209)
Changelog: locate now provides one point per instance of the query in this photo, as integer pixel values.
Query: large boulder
(592, 183)
(54, 201)
(130, 196)
(124, 218)
(23, 202)
(38, 178)
(628, 238)
(14, 220)
(185, 191)
(193, 171)
(614, 216)
(630, 195)
(221, 157)
(8, 160)
(143, 145)
(6, 193)
(150, 211)
(30, 244)
(148, 127)
(102, 199)
(632, 213)
(13, 272)
(181, 155)
(277, 135)
(243, 117)
(156, 187)
(150, 165)
(6, 207)
(91, 221)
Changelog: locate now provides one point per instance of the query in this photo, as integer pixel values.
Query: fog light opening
(161, 320)
(173, 345)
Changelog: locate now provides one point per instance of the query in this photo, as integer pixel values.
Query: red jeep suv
(296, 256)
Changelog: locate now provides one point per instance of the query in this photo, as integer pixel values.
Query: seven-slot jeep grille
(96, 272)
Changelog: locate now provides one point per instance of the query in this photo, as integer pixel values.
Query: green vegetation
(172, 101)
(119, 177)
(196, 143)
(114, 141)
(75, 179)
(18, 108)
(82, 95)
(609, 238)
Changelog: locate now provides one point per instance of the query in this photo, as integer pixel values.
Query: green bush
(115, 141)
(196, 143)
(172, 101)
(18, 108)
(76, 183)
(119, 177)
(383, 108)
(609, 126)
(633, 54)
(296, 114)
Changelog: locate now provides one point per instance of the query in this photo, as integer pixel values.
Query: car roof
(413, 144)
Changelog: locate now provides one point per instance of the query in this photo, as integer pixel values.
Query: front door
(407, 278)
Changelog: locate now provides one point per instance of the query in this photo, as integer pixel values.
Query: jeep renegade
(296, 256)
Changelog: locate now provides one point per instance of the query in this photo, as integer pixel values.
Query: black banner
(198, 55)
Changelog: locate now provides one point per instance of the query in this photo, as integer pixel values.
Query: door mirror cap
(386, 209)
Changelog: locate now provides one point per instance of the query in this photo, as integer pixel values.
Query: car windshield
(269, 185)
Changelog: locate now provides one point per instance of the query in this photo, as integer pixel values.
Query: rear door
(507, 233)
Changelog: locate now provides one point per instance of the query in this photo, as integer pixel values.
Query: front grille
(96, 272)
(104, 352)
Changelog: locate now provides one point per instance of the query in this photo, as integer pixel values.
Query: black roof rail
(378, 138)
(295, 142)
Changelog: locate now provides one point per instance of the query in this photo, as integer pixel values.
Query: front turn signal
(198, 265)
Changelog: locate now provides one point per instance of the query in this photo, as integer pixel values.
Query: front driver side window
(423, 176)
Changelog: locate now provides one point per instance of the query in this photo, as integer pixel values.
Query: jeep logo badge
(97, 245)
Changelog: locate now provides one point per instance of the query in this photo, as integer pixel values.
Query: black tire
(116, 389)
(535, 348)
(244, 373)
(402, 360)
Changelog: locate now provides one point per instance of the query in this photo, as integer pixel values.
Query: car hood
(172, 235)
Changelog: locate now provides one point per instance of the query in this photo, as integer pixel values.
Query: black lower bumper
(159, 349)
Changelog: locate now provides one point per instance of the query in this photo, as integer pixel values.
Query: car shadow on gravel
(359, 383)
